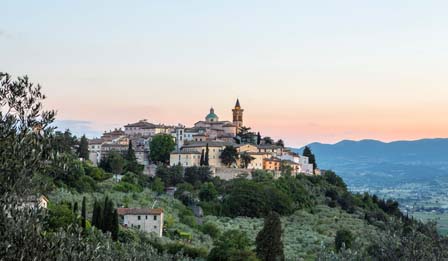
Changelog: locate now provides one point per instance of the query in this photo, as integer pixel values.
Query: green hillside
(246, 218)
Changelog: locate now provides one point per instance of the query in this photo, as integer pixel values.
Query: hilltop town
(204, 144)
(213, 191)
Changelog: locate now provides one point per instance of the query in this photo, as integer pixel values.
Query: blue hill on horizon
(376, 163)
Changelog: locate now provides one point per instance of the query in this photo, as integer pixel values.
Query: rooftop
(139, 211)
(268, 146)
(210, 144)
(186, 152)
(140, 124)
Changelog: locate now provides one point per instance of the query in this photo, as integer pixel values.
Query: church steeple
(238, 115)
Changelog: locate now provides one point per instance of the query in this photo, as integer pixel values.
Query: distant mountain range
(374, 163)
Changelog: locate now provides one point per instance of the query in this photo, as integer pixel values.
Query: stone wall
(229, 173)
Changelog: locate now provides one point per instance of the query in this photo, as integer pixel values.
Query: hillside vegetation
(309, 217)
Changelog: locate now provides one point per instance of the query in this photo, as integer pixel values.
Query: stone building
(144, 219)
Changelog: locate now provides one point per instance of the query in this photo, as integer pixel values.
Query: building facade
(145, 219)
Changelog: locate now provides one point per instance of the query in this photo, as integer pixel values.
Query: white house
(95, 150)
(185, 158)
(145, 128)
(34, 201)
(144, 219)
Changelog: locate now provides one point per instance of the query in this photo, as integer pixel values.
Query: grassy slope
(304, 233)
(441, 219)
(172, 207)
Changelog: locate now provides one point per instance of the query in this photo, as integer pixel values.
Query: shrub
(343, 238)
(127, 187)
(208, 192)
(211, 229)
(60, 216)
(193, 252)
(211, 208)
(232, 245)
(188, 220)
(334, 179)
(346, 202)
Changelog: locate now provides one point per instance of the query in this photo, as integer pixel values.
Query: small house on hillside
(144, 219)
(34, 201)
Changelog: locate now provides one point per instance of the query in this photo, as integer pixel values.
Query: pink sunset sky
(304, 71)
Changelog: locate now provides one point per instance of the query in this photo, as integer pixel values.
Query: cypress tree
(114, 225)
(83, 149)
(269, 239)
(130, 154)
(206, 157)
(311, 158)
(108, 212)
(75, 209)
(131, 160)
(258, 138)
(97, 215)
(83, 213)
(201, 163)
(106, 217)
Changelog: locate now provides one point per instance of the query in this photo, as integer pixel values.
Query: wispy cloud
(78, 127)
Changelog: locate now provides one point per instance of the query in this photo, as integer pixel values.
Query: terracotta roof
(139, 211)
(140, 124)
(210, 144)
(193, 130)
(226, 135)
(268, 146)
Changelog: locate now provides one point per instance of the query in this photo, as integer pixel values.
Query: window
(146, 217)
(155, 227)
(138, 217)
(155, 217)
(138, 226)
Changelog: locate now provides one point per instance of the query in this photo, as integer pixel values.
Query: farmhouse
(144, 219)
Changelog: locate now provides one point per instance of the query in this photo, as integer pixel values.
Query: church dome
(211, 116)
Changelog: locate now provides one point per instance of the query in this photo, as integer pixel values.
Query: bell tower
(238, 115)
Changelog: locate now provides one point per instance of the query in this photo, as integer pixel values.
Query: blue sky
(304, 70)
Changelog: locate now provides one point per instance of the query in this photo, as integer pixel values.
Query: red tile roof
(139, 211)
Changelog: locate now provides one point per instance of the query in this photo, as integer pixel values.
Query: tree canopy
(246, 159)
(160, 148)
(229, 156)
(24, 132)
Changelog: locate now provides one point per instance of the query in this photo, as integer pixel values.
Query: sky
(304, 71)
